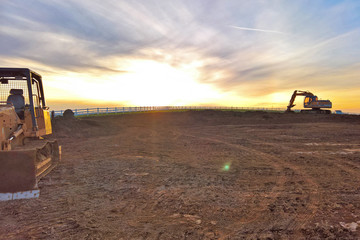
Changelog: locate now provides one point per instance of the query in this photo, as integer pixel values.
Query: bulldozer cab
(23, 89)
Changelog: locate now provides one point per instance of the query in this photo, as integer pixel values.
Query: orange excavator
(310, 101)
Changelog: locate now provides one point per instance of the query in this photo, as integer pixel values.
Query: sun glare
(142, 83)
(279, 97)
(152, 83)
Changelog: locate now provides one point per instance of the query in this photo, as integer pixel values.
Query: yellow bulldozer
(25, 156)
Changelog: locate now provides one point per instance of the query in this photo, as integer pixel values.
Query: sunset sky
(190, 52)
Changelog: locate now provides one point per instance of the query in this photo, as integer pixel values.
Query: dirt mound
(74, 127)
(68, 114)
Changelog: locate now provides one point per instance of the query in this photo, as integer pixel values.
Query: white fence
(108, 110)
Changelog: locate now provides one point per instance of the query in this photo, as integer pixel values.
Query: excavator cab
(24, 116)
(308, 100)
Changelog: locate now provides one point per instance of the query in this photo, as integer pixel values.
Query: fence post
(97, 110)
(87, 111)
(107, 110)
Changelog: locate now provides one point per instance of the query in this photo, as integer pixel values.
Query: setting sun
(153, 83)
(141, 83)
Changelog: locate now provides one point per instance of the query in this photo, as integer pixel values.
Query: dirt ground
(197, 175)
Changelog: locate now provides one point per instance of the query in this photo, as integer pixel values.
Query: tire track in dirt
(345, 164)
(345, 169)
(310, 180)
(317, 154)
(353, 169)
(279, 185)
(314, 195)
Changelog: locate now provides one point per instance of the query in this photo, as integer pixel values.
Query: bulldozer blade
(22, 169)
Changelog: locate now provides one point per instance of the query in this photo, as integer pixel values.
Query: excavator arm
(297, 93)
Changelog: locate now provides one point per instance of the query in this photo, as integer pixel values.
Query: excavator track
(317, 111)
(22, 168)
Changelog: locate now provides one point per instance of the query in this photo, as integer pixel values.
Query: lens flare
(226, 167)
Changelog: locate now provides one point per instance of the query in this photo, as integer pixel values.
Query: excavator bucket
(21, 169)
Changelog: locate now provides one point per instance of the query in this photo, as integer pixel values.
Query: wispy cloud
(256, 29)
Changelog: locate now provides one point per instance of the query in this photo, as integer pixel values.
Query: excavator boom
(297, 93)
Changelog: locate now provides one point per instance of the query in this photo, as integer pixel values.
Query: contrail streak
(256, 29)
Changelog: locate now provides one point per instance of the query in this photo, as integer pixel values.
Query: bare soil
(197, 175)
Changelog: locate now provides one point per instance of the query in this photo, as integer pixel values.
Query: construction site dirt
(197, 175)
